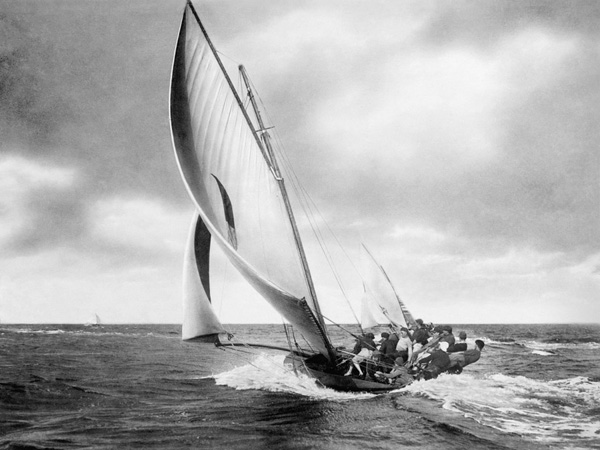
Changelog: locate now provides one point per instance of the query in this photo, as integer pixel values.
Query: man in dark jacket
(447, 335)
(387, 351)
(462, 359)
(460, 345)
(420, 335)
(437, 361)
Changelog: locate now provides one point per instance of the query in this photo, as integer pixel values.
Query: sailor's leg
(349, 371)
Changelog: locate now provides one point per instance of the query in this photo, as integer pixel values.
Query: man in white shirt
(404, 345)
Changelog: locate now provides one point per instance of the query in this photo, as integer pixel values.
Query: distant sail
(93, 320)
(380, 304)
(232, 182)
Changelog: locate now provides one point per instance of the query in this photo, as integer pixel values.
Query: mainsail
(381, 304)
(237, 191)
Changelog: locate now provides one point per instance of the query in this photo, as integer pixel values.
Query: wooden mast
(264, 134)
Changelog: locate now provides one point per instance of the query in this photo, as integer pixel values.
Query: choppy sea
(140, 386)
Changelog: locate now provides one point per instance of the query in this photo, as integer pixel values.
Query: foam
(544, 411)
(268, 372)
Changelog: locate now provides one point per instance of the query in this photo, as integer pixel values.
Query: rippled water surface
(140, 386)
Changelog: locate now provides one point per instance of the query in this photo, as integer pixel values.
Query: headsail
(381, 304)
(199, 318)
(228, 175)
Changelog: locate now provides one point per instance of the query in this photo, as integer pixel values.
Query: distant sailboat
(93, 321)
(231, 173)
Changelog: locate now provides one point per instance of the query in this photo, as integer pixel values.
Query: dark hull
(337, 381)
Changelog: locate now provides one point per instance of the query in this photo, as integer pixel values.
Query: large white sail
(232, 183)
(380, 303)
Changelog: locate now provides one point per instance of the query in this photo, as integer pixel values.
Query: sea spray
(268, 372)
(545, 411)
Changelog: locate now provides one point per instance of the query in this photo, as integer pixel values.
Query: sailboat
(93, 321)
(231, 173)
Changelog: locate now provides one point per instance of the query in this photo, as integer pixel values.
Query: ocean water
(140, 386)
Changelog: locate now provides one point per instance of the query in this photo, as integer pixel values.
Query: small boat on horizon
(93, 321)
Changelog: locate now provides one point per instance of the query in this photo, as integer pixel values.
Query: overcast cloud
(459, 141)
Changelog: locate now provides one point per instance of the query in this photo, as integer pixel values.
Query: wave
(96, 331)
(269, 373)
(543, 353)
(33, 331)
(548, 412)
(549, 345)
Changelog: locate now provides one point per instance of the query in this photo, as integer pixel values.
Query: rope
(306, 202)
(252, 353)
(342, 328)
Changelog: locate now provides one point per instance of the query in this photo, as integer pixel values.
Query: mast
(266, 139)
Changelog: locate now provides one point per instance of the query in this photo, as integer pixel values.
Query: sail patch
(228, 209)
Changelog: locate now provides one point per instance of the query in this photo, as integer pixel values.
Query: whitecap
(549, 346)
(545, 411)
(543, 353)
(269, 373)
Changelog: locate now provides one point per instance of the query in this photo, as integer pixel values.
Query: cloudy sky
(458, 140)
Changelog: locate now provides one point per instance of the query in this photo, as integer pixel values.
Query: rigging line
(224, 56)
(307, 201)
(305, 195)
(342, 328)
(317, 231)
(306, 207)
(302, 360)
(320, 236)
(289, 340)
(349, 355)
(289, 329)
(245, 351)
(249, 361)
(243, 93)
(318, 212)
(298, 347)
(245, 354)
(245, 348)
(308, 344)
(295, 239)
